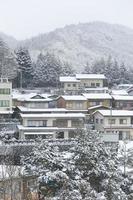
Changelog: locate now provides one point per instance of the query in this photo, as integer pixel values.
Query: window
(60, 135)
(69, 105)
(111, 121)
(92, 84)
(68, 85)
(78, 105)
(5, 80)
(37, 123)
(123, 121)
(98, 84)
(95, 103)
(77, 123)
(74, 85)
(101, 121)
(18, 187)
(97, 121)
(4, 90)
(4, 103)
(60, 123)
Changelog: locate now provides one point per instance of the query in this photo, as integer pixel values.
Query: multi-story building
(33, 100)
(56, 125)
(123, 102)
(120, 121)
(5, 95)
(91, 80)
(94, 99)
(82, 81)
(77, 103)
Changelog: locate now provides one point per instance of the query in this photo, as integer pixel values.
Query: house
(56, 125)
(124, 86)
(82, 81)
(33, 100)
(69, 83)
(109, 121)
(73, 103)
(14, 184)
(97, 90)
(119, 92)
(123, 102)
(94, 99)
(91, 80)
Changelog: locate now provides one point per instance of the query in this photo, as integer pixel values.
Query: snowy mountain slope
(11, 41)
(78, 44)
(82, 43)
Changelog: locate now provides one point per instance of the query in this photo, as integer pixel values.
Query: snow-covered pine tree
(98, 165)
(48, 70)
(25, 66)
(8, 64)
(56, 172)
(87, 68)
(67, 69)
(124, 74)
(98, 66)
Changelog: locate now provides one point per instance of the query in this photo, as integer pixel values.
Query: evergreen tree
(89, 170)
(87, 68)
(99, 66)
(8, 64)
(98, 165)
(67, 69)
(124, 74)
(25, 66)
(48, 70)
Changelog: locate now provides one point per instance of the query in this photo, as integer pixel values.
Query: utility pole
(21, 78)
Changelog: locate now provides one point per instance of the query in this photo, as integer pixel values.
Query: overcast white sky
(25, 18)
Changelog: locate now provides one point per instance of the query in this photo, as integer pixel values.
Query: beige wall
(83, 83)
(70, 86)
(87, 82)
(103, 102)
(76, 105)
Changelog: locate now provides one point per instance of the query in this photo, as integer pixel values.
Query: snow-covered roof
(74, 97)
(25, 109)
(123, 97)
(97, 106)
(30, 96)
(97, 89)
(68, 79)
(97, 95)
(5, 112)
(17, 95)
(35, 100)
(41, 133)
(54, 115)
(119, 92)
(124, 86)
(90, 76)
(42, 129)
(122, 113)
